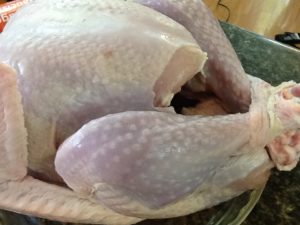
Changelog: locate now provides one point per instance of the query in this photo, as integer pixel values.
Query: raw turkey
(89, 131)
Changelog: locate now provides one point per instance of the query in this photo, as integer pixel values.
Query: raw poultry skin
(170, 175)
(71, 63)
(76, 61)
(223, 72)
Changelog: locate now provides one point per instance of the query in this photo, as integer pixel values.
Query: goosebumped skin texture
(149, 154)
(75, 61)
(223, 71)
(34, 197)
(24, 194)
(144, 164)
(73, 69)
(50, 113)
(147, 164)
(161, 165)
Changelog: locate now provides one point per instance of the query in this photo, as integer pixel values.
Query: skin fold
(88, 134)
(223, 72)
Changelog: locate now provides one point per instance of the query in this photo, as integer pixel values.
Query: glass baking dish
(232, 212)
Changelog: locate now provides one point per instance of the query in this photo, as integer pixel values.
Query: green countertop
(280, 202)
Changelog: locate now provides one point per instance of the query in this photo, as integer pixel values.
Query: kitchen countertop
(275, 63)
(280, 201)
